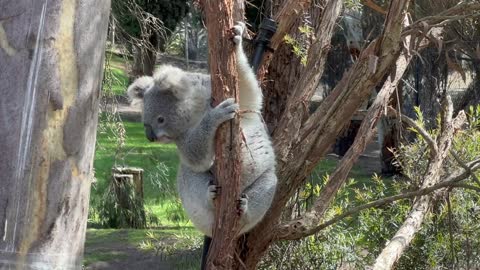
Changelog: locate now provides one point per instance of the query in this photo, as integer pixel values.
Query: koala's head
(172, 104)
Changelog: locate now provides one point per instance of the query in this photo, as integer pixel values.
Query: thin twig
(467, 186)
(409, 121)
(463, 165)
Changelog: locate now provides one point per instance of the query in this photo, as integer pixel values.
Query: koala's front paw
(238, 30)
(212, 192)
(225, 110)
(242, 204)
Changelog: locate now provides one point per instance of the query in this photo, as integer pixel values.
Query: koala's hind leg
(251, 97)
(256, 200)
(197, 194)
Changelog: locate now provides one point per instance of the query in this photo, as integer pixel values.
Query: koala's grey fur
(177, 109)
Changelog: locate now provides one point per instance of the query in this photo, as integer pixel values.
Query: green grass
(117, 73)
(159, 162)
(120, 81)
(102, 256)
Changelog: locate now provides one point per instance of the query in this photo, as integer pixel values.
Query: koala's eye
(160, 120)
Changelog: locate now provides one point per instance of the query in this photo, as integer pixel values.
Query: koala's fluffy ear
(138, 88)
(172, 79)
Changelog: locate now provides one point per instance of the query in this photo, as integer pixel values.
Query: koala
(176, 108)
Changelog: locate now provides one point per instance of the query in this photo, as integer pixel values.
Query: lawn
(159, 162)
(116, 76)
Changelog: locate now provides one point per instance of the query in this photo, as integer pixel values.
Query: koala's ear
(172, 79)
(138, 88)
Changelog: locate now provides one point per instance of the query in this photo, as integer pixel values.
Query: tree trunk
(431, 83)
(389, 135)
(219, 20)
(143, 61)
(52, 56)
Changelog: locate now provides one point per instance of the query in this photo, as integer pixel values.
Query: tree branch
(458, 12)
(463, 165)
(308, 223)
(467, 186)
(374, 6)
(409, 121)
(286, 17)
(395, 247)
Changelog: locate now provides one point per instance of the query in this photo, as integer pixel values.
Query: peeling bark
(51, 84)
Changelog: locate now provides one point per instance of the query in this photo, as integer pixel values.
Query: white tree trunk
(51, 62)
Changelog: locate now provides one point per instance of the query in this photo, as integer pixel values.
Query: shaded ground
(121, 250)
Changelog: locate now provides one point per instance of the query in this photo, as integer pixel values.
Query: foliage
(181, 245)
(121, 207)
(353, 4)
(301, 44)
(189, 245)
(137, 17)
(449, 239)
(196, 35)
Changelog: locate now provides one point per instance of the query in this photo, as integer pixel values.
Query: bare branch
(286, 17)
(460, 11)
(374, 6)
(219, 20)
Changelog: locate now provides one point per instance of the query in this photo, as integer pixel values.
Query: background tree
(51, 59)
(146, 26)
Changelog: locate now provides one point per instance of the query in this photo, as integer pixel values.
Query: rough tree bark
(219, 20)
(51, 56)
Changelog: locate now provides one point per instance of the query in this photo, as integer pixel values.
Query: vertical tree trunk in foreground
(222, 60)
(51, 56)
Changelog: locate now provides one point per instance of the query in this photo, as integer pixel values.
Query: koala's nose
(149, 132)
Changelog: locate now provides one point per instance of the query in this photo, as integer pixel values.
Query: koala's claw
(212, 192)
(238, 30)
(226, 110)
(242, 204)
